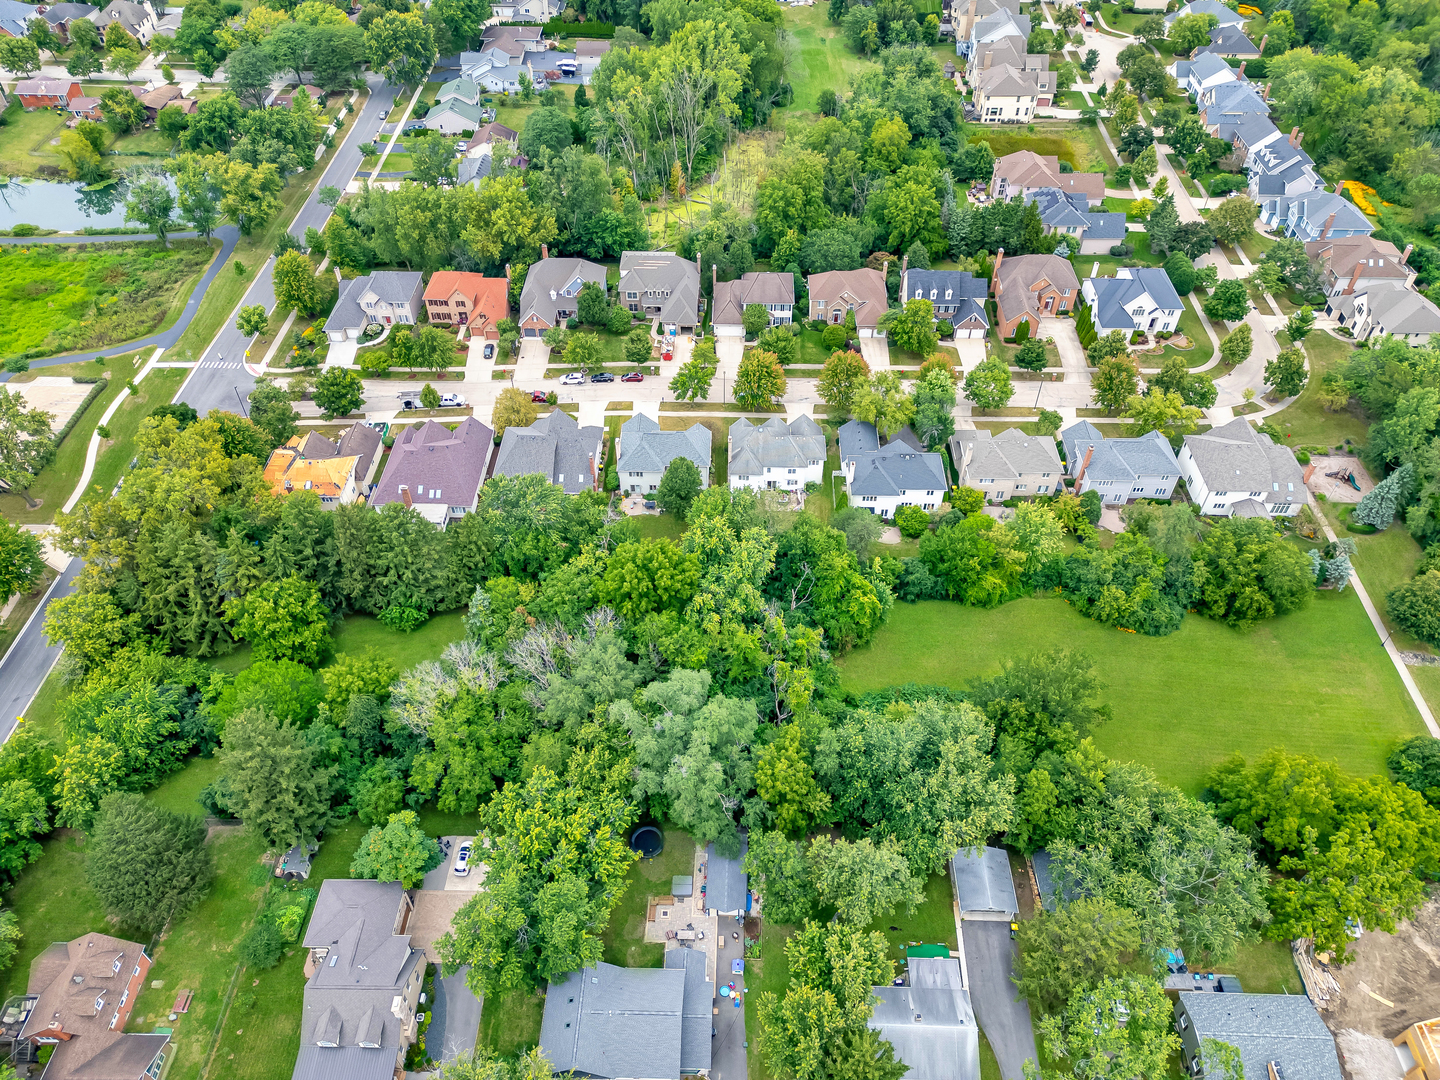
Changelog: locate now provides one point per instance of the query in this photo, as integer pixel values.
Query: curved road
(229, 236)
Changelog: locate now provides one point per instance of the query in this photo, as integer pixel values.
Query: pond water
(66, 207)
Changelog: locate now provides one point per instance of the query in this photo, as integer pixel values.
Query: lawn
(624, 937)
(510, 1023)
(770, 973)
(1383, 560)
(1316, 681)
(359, 633)
(116, 453)
(57, 297)
(57, 481)
(826, 61)
(1266, 967)
(25, 141)
(1079, 144)
(659, 526)
(933, 922)
(1303, 419)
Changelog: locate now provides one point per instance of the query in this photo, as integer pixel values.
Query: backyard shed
(727, 889)
(983, 885)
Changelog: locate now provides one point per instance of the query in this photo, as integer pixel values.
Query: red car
(633, 376)
(538, 395)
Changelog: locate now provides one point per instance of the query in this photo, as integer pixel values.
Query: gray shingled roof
(933, 1030)
(610, 1021)
(469, 111)
(645, 448)
(396, 286)
(662, 271)
(562, 276)
(1316, 207)
(1284, 1028)
(756, 287)
(964, 289)
(1118, 459)
(1401, 310)
(1206, 7)
(1012, 453)
(726, 885)
(893, 468)
(1229, 39)
(556, 447)
(774, 444)
(983, 881)
(363, 442)
(59, 13)
(438, 465)
(347, 311)
(1113, 296)
(1061, 209)
(1105, 226)
(1236, 457)
(345, 1063)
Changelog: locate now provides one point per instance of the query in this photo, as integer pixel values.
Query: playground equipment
(1345, 475)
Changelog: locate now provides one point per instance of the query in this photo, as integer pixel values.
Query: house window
(1159, 491)
(1019, 487)
(1042, 488)
(867, 498)
(1184, 1022)
(790, 471)
(1137, 490)
(637, 474)
(121, 959)
(1044, 476)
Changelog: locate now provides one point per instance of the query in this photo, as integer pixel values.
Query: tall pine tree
(1162, 226)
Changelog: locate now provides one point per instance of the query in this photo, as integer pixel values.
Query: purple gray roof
(438, 465)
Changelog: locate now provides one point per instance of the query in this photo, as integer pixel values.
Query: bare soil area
(1338, 490)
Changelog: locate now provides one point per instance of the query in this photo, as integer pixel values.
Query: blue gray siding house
(1121, 470)
(882, 479)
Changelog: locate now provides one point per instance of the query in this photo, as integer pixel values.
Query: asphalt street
(1003, 1016)
(30, 659)
(221, 380)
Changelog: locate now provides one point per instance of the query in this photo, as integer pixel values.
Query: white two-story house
(776, 454)
(1136, 298)
(882, 479)
(1234, 470)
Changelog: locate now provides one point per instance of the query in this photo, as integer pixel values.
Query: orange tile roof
(488, 296)
(287, 471)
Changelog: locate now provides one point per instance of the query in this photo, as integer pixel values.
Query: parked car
(489, 350)
(573, 378)
(462, 860)
(452, 401)
(633, 376)
(460, 146)
(539, 396)
(603, 376)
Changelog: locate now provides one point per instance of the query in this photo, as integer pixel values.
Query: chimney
(1354, 277)
(1309, 472)
(987, 59)
(1263, 40)
(1267, 91)
(544, 251)
(697, 262)
(1295, 136)
(904, 265)
(885, 273)
(1405, 255)
(594, 478)
(1329, 223)
(1241, 73)
(714, 277)
(405, 496)
(507, 271)
(995, 270)
(1084, 464)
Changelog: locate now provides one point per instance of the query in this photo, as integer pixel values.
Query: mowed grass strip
(826, 60)
(1315, 682)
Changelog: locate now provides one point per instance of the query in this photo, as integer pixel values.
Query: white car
(452, 401)
(462, 861)
(460, 146)
(574, 378)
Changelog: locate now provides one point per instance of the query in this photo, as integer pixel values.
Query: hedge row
(95, 391)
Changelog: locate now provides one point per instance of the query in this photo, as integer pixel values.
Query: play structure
(1346, 475)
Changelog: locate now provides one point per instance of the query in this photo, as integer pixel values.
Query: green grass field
(25, 141)
(624, 938)
(1079, 144)
(826, 60)
(1304, 420)
(1316, 681)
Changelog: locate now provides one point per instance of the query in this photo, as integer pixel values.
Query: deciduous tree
(295, 285)
(283, 620)
(1286, 374)
(864, 880)
(338, 392)
(844, 376)
(760, 381)
(678, 487)
(988, 384)
(884, 403)
(276, 786)
(400, 851)
(25, 446)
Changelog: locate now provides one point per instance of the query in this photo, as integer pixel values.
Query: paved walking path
(93, 450)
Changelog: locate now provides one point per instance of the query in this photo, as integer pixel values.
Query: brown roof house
(1029, 288)
(435, 471)
(456, 298)
(1025, 171)
(836, 292)
(80, 995)
(1350, 264)
(364, 981)
(337, 472)
(774, 292)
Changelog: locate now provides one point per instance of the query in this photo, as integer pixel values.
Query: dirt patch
(1364, 1056)
(221, 830)
(1401, 968)
(1337, 490)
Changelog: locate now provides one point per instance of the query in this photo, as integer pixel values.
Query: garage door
(530, 331)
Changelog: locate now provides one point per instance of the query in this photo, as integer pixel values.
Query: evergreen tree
(960, 231)
(1379, 504)
(147, 864)
(276, 785)
(1164, 221)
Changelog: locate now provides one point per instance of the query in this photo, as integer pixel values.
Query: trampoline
(648, 841)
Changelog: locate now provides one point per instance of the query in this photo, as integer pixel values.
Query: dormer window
(919, 294)
(119, 960)
(100, 1003)
(949, 293)
(933, 293)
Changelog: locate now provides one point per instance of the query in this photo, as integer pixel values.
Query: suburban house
(984, 889)
(536, 11)
(170, 94)
(646, 452)
(1093, 232)
(773, 291)
(1351, 263)
(505, 78)
(1121, 470)
(1231, 103)
(363, 985)
(1418, 1048)
(557, 448)
(454, 298)
(461, 89)
(383, 298)
(588, 54)
(1278, 1035)
(15, 18)
(1136, 298)
(1025, 172)
(776, 454)
(1281, 168)
(1224, 15)
(138, 20)
(661, 285)
(1245, 134)
(60, 16)
(1008, 465)
(1235, 470)
(435, 471)
(998, 25)
(1029, 288)
(1202, 72)
(552, 290)
(170, 23)
(1315, 215)
(78, 1000)
(958, 297)
(1230, 41)
(454, 116)
(837, 292)
(727, 886)
(282, 99)
(930, 1021)
(1387, 307)
(964, 14)
(882, 479)
(622, 1022)
(305, 465)
(47, 93)
(1009, 82)
(489, 134)
(86, 108)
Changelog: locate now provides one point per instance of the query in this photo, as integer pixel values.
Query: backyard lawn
(25, 141)
(826, 61)
(1079, 144)
(1304, 420)
(1316, 681)
(624, 937)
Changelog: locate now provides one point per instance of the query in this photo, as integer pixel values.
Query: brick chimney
(995, 270)
(544, 251)
(594, 477)
(697, 262)
(1267, 91)
(1263, 40)
(1241, 73)
(1405, 255)
(1294, 138)
(714, 277)
(507, 271)
(885, 272)
(405, 496)
(1089, 453)
(1329, 224)
(904, 265)
(1309, 472)
(1354, 277)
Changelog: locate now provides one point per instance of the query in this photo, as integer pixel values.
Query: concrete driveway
(876, 351)
(989, 962)
(727, 1048)
(455, 1023)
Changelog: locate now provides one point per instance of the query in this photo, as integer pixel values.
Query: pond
(66, 207)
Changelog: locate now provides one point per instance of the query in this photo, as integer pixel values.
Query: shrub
(945, 329)
(911, 521)
(832, 337)
(619, 322)
(968, 500)
(1415, 606)
(261, 947)
(1303, 458)
(1022, 331)
(1121, 251)
(23, 229)
(404, 619)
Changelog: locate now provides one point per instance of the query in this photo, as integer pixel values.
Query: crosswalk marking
(221, 364)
